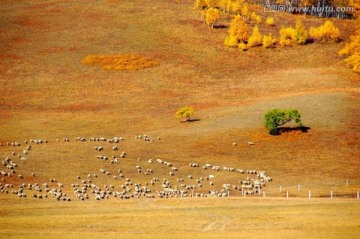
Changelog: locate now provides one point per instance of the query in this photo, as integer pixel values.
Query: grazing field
(183, 218)
(48, 94)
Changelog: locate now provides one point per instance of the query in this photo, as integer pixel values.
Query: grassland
(185, 218)
(47, 93)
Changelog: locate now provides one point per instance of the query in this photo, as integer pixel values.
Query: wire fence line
(346, 189)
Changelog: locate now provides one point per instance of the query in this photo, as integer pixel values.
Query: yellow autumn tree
(351, 51)
(286, 36)
(223, 4)
(238, 32)
(290, 36)
(268, 41)
(254, 17)
(325, 33)
(235, 8)
(356, 6)
(200, 4)
(231, 41)
(301, 34)
(185, 112)
(212, 16)
(245, 11)
(212, 3)
(256, 38)
(270, 21)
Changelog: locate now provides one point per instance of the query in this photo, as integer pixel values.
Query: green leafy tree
(186, 112)
(278, 117)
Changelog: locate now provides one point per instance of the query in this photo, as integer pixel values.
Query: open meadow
(100, 152)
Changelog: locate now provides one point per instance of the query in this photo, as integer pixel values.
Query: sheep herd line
(85, 187)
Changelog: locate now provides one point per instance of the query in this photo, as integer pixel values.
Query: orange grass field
(48, 93)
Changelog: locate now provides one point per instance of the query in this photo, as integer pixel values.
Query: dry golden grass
(187, 218)
(47, 93)
(120, 62)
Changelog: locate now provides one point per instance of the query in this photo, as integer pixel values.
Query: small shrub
(270, 21)
(268, 41)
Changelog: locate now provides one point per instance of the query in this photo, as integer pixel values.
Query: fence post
(347, 182)
(287, 194)
(280, 189)
(331, 194)
(298, 188)
(309, 194)
(358, 195)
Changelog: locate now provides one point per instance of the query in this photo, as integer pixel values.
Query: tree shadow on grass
(190, 120)
(220, 26)
(280, 130)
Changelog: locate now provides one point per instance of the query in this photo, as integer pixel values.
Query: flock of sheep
(170, 185)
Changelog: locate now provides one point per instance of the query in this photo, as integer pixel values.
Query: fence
(346, 189)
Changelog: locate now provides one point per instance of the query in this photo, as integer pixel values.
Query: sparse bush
(268, 41)
(255, 39)
(186, 112)
(277, 117)
(325, 33)
(270, 21)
